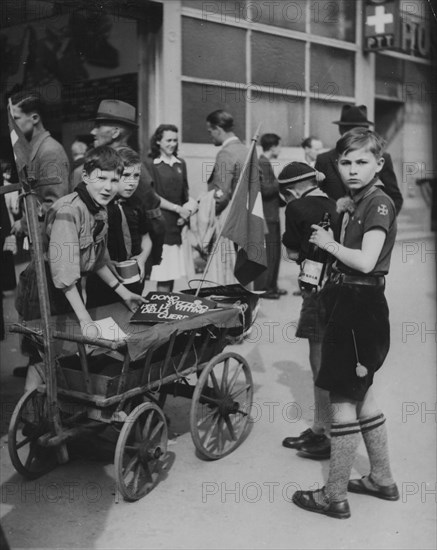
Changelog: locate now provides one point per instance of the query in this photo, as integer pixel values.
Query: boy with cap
(357, 335)
(306, 206)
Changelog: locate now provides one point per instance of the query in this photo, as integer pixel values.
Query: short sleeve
(379, 214)
(64, 248)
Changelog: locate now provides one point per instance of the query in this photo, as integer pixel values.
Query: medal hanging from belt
(361, 370)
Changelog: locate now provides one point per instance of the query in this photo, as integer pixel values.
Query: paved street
(243, 500)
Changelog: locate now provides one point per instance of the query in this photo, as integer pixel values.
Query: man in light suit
(222, 181)
(351, 117)
(230, 159)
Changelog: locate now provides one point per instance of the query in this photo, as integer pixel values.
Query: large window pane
(198, 100)
(322, 116)
(278, 62)
(332, 71)
(417, 85)
(389, 76)
(285, 14)
(333, 19)
(213, 51)
(278, 114)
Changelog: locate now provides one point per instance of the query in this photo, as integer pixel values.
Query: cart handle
(101, 342)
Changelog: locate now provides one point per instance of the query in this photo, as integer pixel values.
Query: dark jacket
(269, 191)
(334, 187)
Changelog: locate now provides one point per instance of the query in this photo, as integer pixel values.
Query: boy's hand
(320, 237)
(133, 301)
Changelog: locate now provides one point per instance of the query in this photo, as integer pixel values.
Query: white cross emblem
(383, 210)
(379, 20)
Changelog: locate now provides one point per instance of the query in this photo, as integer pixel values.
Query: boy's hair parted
(103, 158)
(359, 138)
(129, 156)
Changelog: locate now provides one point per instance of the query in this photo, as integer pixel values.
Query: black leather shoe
(281, 291)
(319, 449)
(313, 501)
(270, 295)
(307, 436)
(386, 492)
(297, 293)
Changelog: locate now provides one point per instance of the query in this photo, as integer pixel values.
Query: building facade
(287, 65)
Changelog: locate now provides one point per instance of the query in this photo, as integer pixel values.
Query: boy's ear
(380, 163)
(36, 118)
(85, 176)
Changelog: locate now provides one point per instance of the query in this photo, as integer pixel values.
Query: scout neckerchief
(92, 207)
(347, 205)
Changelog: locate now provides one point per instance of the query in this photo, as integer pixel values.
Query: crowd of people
(111, 207)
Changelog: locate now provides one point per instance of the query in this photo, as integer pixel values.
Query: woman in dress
(169, 174)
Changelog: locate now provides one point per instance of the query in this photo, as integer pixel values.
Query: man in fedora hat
(351, 117)
(115, 122)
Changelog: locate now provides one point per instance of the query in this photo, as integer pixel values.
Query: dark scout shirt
(373, 211)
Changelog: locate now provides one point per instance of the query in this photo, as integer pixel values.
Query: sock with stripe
(375, 437)
(345, 438)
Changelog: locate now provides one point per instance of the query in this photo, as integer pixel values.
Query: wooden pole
(31, 205)
(237, 187)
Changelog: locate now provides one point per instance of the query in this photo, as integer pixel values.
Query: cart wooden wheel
(221, 405)
(140, 451)
(29, 421)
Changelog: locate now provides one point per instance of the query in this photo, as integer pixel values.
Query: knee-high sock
(375, 437)
(345, 438)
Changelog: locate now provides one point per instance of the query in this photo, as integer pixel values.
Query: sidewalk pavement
(243, 500)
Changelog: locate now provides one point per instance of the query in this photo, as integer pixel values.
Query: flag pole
(234, 194)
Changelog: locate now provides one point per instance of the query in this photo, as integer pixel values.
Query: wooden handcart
(124, 384)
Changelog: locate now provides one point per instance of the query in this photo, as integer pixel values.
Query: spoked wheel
(140, 451)
(221, 405)
(28, 422)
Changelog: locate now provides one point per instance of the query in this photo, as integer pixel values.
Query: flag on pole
(20, 146)
(245, 224)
